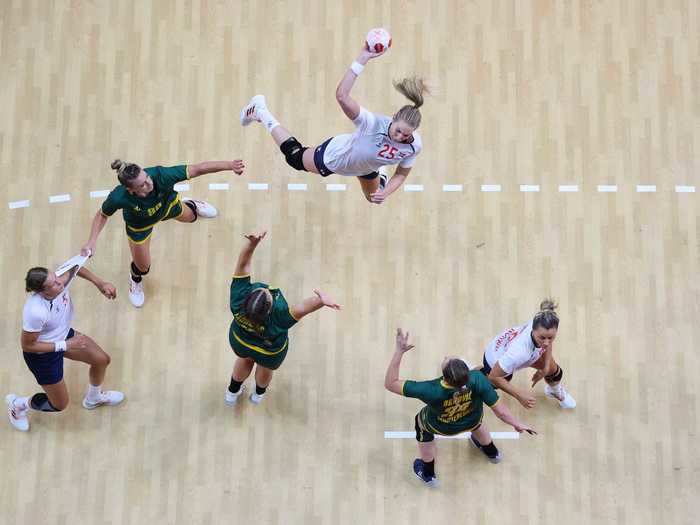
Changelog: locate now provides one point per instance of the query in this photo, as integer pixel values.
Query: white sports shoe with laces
(561, 395)
(231, 399)
(108, 398)
(136, 295)
(18, 418)
(248, 113)
(256, 399)
(204, 209)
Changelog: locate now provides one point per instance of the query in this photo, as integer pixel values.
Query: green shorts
(271, 360)
(141, 235)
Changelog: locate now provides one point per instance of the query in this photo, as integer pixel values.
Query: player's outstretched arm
(497, 376)
(394, 183)
(106, 288)
(391, 380)
(503, 413)
(98, 223)
(349, 105)
(215, 166)
(313, 303)
(246, 255)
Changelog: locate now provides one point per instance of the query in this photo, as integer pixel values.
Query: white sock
(266, 118)
(94, 392)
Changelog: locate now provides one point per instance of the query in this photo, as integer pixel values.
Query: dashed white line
(490, 187)
(602, 188)
(258, 186)
(529, 188)
(218, 186)
(646, 188)
(411, 435)
(335, 187)
(98, 193)
(65, 197)
(296, 187)
(568, 188)
(19, 204)
(413, 187)
(685, 189)
(452, 187)
(181, 186)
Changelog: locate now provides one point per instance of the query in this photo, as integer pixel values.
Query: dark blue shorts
(47, 368)
(487, 370)
(318, 159)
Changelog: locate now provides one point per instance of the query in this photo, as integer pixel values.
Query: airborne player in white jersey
(378, 141)
(528, 345)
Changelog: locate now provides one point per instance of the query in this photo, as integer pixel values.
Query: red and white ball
(378, 40)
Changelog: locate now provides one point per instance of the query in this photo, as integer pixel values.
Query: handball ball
(378, 40)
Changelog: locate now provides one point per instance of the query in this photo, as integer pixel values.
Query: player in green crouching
(454, 404)
(261, 319)
(146, 197)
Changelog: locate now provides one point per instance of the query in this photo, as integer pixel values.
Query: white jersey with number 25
(369, 148)
(513, 349)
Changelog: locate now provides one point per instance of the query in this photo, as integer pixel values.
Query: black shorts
(318, 159)
(422, 435)
(47, 367)
(486, 370)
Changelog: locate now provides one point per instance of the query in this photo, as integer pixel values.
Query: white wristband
(356, 68)
(59, 346)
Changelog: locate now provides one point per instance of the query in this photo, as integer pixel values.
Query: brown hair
(35, 279)
(126, 171)
(412, 88)
(456, 374)
(547, 316)
(257, 305)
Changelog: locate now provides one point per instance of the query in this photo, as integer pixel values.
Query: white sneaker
(136, 295)
(231, 399)
(108, 398)
(561, 395)
(248, 113)
(18, 417)
(204, 209)
(255, 398)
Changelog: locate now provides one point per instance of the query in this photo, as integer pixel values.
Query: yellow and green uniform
(268, 343)
(141, 214)
(448, 415)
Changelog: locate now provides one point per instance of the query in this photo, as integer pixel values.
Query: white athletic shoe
(136, 295)
(18, 418)
(561, 395)
(231, 399)
(248, 113)
(255, 398)
(204, 209)
(108, 398)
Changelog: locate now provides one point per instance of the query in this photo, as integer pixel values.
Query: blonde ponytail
(413, 89)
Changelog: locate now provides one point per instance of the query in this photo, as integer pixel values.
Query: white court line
(490, 187)
(65, 197)
(388, 434)
(452, 187)
(529, 188)
(218, 186)
(19, 204)
(98, 193)
(181, 186)
(685, 189)
(296, 187)
(258, 186)
(649, 188)
(568, 188)
(602, 188)
(335, 187)
(412, 187)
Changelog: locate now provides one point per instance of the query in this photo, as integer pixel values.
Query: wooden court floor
(594, 96)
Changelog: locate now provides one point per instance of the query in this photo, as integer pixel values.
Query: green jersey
(268, 339)
(448, 415)
(144, 212)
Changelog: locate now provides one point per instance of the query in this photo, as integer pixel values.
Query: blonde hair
(547, 316)
(413, 89)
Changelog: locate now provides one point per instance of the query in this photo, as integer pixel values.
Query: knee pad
(191, 205)
(138, 273)
(41, 402)
(555, 377)
(293, 153)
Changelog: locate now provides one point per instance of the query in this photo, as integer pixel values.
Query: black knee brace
(191, 205)
(555, 377)
(41, 402)
(138, 273)
(293, 153)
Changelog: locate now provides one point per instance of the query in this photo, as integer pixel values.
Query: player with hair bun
(528, 345)
(378, 140)
(454, 404)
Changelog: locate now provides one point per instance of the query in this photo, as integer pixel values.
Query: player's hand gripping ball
(378, 40)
